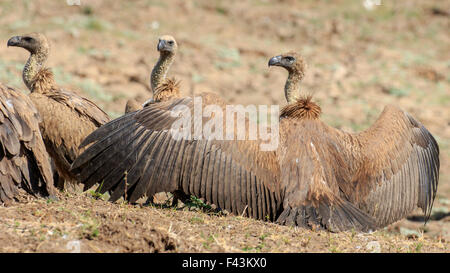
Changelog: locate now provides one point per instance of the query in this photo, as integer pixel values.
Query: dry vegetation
(98, 226)
(359, 60)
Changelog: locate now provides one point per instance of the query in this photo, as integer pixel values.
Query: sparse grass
(67, 79)
(195, 202)
(197, 78)
(128, 34)
(96, 24)
(222, 10)
(106, 226)
(208, 240)
(196, 220)
(418, 247)
(94, 52)
(88, 22)
(10, 73)
(93, 90)
(97, 195)
(158, 3)
(88, 86)
(87, 10)
(332, 245)
(398, 92)
(90, 225)
(229, 58)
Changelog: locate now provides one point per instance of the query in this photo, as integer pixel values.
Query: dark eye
(170, 42)
(27, 39)
(290, 59)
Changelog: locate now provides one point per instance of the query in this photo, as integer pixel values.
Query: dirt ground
(360, 58)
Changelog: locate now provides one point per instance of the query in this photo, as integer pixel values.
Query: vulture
(66, 117)
(24, 162)
(163, 88)
(317, 177)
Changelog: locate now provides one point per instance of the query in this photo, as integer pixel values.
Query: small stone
(74, 246)
(373, 247)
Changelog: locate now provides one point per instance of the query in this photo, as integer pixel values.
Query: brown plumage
(303, 108)
(24, 162)
(318, 177)
(66, 117)
(132, 105)
(167, 90)
(155, 162)
(371, 179)
(163, 88)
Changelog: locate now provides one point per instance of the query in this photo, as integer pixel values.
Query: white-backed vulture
(66, 117)
(318, 177)
(24, 162)
(162, 87)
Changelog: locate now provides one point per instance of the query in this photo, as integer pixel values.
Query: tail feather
(335, 218)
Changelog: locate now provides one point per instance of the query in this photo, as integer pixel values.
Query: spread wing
(399, 167)
(137, 154)
(313, 169)
(24, 162)
(364, 181)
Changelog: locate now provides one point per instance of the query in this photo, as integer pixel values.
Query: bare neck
(292, 87)
(32, 67)
(160, 70)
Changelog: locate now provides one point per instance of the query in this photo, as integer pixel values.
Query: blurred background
(361, 56)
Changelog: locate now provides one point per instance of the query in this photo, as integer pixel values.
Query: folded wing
(24, 162)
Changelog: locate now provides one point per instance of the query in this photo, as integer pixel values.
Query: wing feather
(24, 162)
(399, 160)
(161, 163)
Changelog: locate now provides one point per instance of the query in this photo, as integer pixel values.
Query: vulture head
(290, 61)
(33, 42)
(296, 66)
(167, 44)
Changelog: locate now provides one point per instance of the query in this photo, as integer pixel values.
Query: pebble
(74, 246)
(373, 247)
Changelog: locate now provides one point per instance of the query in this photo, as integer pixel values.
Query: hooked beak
(161, 45)
(275, 60)
(14, 41)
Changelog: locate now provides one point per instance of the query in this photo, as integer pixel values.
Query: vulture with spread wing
(67, 118)
(24, 162)
(318, 177)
